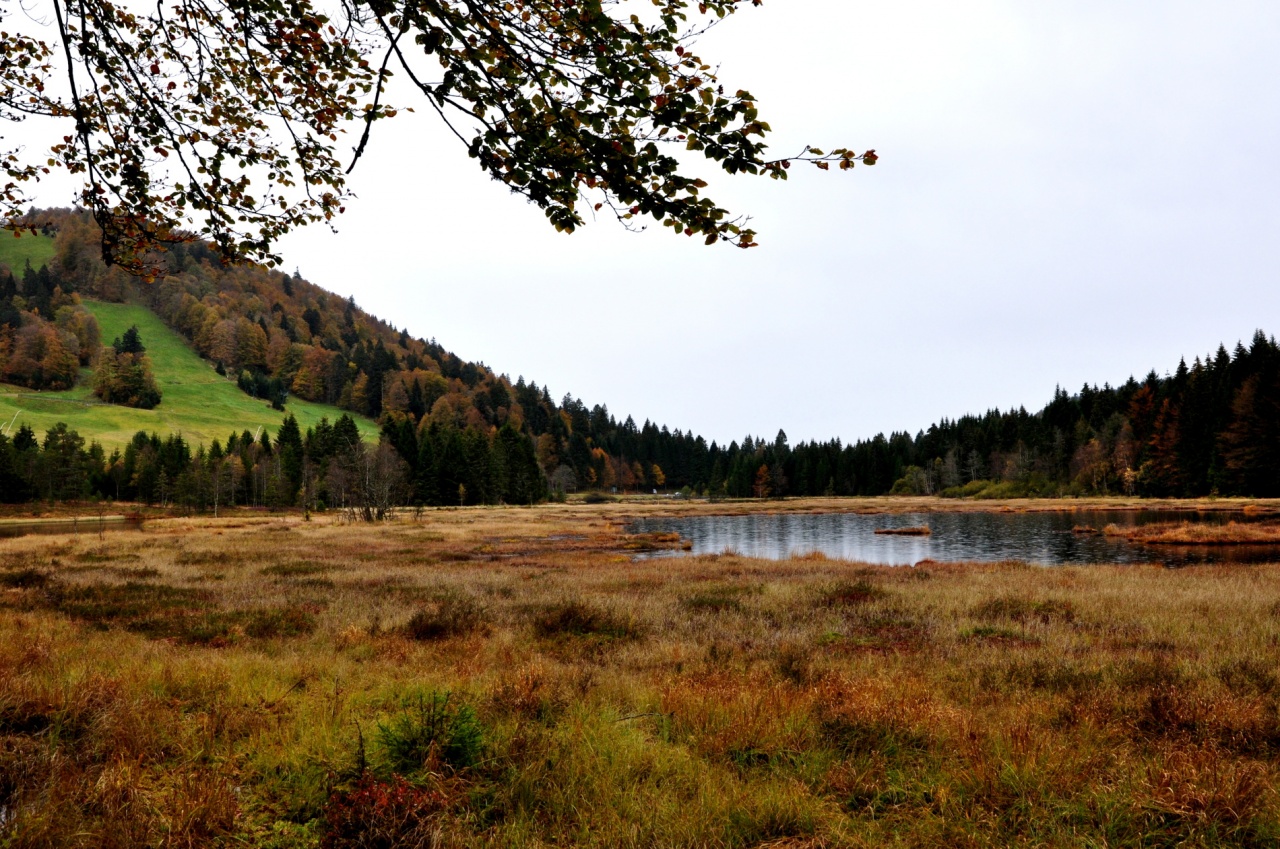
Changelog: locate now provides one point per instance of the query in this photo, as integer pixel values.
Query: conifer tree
(290, 450)
(130, 342)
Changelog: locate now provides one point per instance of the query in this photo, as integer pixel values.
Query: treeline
(328, 466)
(278, 335)
(1212, 427)
(451, 466)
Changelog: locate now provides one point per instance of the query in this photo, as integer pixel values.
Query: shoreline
(666, 506)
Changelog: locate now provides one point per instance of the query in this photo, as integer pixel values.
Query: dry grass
(278, 683)
(1200, 533)
(915, 531)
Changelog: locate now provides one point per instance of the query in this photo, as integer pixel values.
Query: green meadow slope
(198, 403)
(17, 251)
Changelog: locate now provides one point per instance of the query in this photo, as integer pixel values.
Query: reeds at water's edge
(915, 531)
(1200, 533)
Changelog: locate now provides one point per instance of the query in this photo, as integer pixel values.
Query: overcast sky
(1067, 192)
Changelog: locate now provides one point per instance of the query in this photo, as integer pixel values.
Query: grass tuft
(375, 814)
(720, 599)
(24, 579)
(852, 593)
(1024, 611)
(298, 569)
(577, 619)
(451, 616)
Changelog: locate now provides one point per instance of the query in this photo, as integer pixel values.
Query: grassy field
(15, 252)
(511, 677)
(197, 402)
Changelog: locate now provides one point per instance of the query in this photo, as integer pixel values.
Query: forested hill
(1212, 426)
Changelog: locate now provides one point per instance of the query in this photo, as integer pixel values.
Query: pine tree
(130, 343)
(1251, 442)
(523, 480)
(14, 486)
(425, 484)
(289, 447)
(346, 435)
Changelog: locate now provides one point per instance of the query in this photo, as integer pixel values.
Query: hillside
(198, 403)
(16, 252)
(462, 431)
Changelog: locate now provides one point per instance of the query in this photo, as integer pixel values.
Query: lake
(1043, 537)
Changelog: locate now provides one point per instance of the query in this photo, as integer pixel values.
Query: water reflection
(1045, 538)
(82, 525)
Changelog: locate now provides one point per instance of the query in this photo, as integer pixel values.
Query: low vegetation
(914, 531)
(513, 677)
(1200, 533)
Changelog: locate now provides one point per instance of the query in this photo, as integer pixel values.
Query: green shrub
(973, 489)
(914, 481)
(428, 727)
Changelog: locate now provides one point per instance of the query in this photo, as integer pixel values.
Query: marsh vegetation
(514, 677)
(1201, 533)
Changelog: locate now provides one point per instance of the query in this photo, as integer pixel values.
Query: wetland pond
(69, 525)
(1049, 538)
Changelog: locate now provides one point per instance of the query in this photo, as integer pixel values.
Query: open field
(267, 681)
(198, 403)
(16, 252)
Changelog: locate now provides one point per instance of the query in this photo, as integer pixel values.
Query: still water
(1045, 538)
(82, 525)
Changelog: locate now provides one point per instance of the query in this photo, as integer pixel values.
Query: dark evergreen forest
(1212, 427)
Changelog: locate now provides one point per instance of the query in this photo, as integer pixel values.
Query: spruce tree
(130, 343)
(289, 447)
(345, 434)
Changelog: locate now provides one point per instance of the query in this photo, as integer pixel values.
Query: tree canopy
(225, 118)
